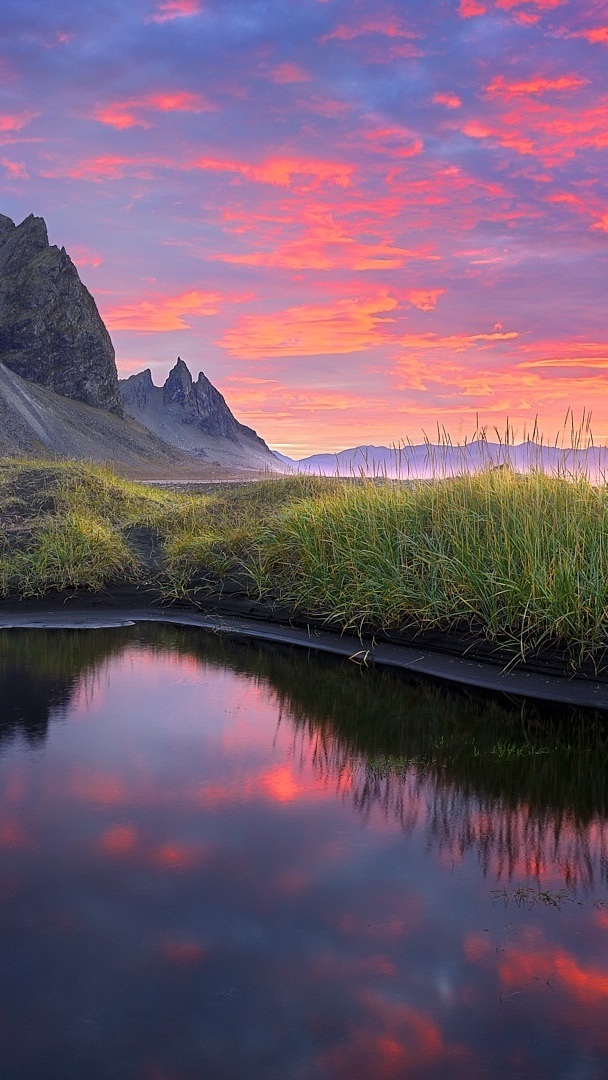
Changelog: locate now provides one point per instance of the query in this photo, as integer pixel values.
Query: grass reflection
(523, 789)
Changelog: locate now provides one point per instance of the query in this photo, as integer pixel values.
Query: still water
(222, 861)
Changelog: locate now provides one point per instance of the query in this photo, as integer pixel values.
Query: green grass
(521, 560)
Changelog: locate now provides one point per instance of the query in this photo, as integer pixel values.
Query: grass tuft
(519, 559)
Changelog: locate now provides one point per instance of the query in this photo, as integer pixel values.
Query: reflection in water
(525, 788)
(39, 674)
(234, 860)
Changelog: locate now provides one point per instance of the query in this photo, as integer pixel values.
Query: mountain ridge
(428, 460)
(36, 420)
(51, 332)
(194, 417)
(59, 387)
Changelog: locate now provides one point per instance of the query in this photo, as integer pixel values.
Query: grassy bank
(521, 560)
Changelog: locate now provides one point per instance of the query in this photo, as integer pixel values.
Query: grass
(526, 896)
(519, 559)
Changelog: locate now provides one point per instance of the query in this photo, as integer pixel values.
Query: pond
(233, 861)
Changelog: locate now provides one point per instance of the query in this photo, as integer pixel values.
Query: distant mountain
(50, 329)
(428, 460)
(194, 417)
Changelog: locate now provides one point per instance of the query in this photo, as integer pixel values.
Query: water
(232, 861)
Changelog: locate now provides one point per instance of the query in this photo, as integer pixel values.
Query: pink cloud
(387, 26)
(282, 172)
(320, 250)
(388, 52)
(451, 101)
(468, 9)
(81, 256)
(16, 121)
(553, 134)
(588, 207)
(288, 73)
(455, 342)
(499, 87)
(111, 167)
(125, 114)
(161, 313)
(175, 9)
(344, 326)
(553, 356)
(598, 35)
(424, 299)
(15, 169)
(395, 142)
(543, 5)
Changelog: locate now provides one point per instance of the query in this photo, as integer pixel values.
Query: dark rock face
(50, 329)
(197, 404)
(137, 389)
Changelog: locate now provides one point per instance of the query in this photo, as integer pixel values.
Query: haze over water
(237, 861)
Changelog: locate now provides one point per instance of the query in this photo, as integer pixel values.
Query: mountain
(50, 329)
(194, 417)
(427, 460)
(35, 420)
(59, 388)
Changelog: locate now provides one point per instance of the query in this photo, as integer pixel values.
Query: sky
(362, 219)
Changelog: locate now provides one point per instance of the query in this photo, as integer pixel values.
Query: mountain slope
(35, 420)
(194, 417)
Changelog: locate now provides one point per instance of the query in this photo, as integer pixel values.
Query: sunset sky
(360, 218)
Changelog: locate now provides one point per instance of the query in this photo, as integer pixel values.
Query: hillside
(194, 418)
(59, 388)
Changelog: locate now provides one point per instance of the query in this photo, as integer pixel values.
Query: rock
(51, 332)
(178, 390)
(140, 387)
(194, 417)
(201, 404)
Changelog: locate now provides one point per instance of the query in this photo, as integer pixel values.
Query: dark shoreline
(452, 658)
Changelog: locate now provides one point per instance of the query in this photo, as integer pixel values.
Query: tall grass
(519, 559)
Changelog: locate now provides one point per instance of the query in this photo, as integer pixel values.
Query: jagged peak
(185, 407)
(178, 387)
(144, 376)
(180, 371)
(41, 280)
(34, 228)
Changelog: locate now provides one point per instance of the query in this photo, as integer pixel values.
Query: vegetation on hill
(519, 560)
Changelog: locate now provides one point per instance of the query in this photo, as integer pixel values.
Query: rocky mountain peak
(178, 388)
(33, 231)
(6, 227)
(140, 388)
(186, 413)
(50, 329)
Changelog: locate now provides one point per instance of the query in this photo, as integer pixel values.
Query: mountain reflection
(40, 672)
(522, 789)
